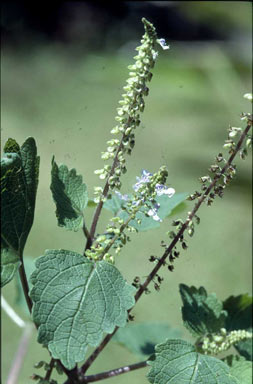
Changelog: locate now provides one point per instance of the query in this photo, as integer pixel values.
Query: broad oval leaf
(141, 338)
(202, 313)
(70, 196)
(177, 362)
(75, 301)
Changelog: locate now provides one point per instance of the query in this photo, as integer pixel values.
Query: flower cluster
(145, 185)
(217, 343)
(146, 189)
(128, 114)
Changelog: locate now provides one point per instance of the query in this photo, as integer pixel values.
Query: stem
(123, 226)
(97, 351)
(86, 232)
(50, 370)
(113, 372)
(104, 194)
(161, 261)
(19, 356)
(24, 283)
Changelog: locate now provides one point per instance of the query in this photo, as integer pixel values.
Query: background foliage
(61, 82)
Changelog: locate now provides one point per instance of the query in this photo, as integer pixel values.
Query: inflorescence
(128, 114)
(146, 189)
(222, 341)
(220, 175)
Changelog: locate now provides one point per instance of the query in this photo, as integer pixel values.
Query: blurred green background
(62, 76)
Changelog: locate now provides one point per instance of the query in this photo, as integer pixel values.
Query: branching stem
(168, 250)
(50, 370)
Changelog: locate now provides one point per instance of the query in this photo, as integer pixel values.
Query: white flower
(163, 44)
(154, 54)
(163, 190)
(153, 212)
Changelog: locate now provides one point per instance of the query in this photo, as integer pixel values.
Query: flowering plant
(75, 299)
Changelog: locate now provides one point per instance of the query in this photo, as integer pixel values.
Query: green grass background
(68, 104)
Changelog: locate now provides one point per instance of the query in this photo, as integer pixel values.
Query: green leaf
(70, 196)
(240, 368)
(75, 301)
(114, 204)
(19, 180)
(141, 338)
(201, 313)
(10, 263)
(177, 362)
(30, 162)
(146, 222)
(11, 146)
(167, 205)
(239, 310)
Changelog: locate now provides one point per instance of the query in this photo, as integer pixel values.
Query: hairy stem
(104, 194)
(86, 232)
(168, 250)
(24, 283)
(50, 370)
(113, 372)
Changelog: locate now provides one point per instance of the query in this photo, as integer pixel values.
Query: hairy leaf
(239, 310)
(177, 362)
(75, 301)
(19, 181)
(201, 313)
(70, 196)
(240, 368)
(9, 264)
(141, 338)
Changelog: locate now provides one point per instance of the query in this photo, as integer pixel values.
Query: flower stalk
(168, 251)
(128, 119)
(147, 188)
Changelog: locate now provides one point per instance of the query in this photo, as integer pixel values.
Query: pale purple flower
(145, 178)
(163, 44)
(153, 212)
(163, 190)
(122, 197)
(160, 190)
